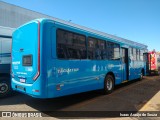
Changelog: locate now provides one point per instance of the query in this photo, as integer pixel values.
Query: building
(14, 16)
(11, 17)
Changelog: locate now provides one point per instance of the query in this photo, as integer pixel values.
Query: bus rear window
(27, 60)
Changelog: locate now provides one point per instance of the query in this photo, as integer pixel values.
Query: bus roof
(102, 34)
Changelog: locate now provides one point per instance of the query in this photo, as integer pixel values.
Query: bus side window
(102, 49)
(110, 50)
(98, 54)
(61, 41)
(134, 54)
(116, 51)
(141, 55)
(131, 53)
(61, 52)
(113, 50)
(70, 45)
(98, 51)
(5, 48)
(96, 48)
(138, 54)
(91, 48)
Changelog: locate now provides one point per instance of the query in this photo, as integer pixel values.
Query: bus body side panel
(135, 67)
(48, 60)
(134, 70)
(81, 76)
(75, 76)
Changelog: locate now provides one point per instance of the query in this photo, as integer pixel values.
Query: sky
(136, 20)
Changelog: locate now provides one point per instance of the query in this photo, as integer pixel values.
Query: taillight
(38, 72)
(36, 76)
(11, 58)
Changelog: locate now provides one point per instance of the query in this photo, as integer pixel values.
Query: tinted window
(141, 55)
(113, 51)
(6, 45)
(116, 51)
(70, 45)
(131, 53)
(27, 60)
(110, 50)
(96, 49)
(102, 48)
(145, 57)
(91, 48)
(134, 54)
(138, 54)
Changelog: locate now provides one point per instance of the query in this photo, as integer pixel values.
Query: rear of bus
(26, 60)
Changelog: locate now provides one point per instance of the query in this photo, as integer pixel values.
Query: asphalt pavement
(136, 95)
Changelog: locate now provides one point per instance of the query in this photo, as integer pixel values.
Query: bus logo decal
(67, 70)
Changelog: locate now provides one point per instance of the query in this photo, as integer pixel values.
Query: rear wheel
(108, 84)
(5, 87)
(141, 75)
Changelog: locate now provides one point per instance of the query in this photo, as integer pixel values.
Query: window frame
(138, 55)
(97, 40)
(86, 38)
(142, 51)
(72, 33)
(114, 43)
(134, 53)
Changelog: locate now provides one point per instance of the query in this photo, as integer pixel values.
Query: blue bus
(53, 58)
(5, 60)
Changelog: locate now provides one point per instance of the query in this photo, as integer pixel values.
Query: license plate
(21, 88)
(22, 80)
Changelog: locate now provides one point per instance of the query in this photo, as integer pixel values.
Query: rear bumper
(33, 90)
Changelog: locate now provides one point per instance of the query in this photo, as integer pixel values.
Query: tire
(141, 75)
(108, 84)
(5, 86)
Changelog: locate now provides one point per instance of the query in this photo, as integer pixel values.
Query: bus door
(147, 59)
(125, 64)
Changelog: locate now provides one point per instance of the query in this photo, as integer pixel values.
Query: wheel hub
(109, 84)
(141, 75)
(3, 87)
